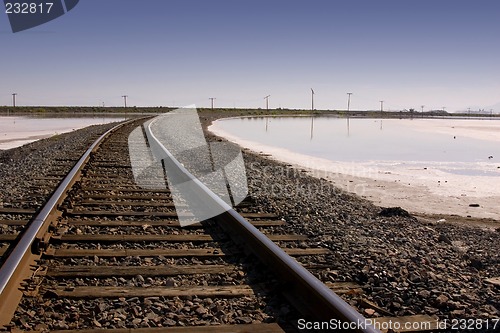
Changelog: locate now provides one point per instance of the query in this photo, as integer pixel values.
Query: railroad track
(105, 253)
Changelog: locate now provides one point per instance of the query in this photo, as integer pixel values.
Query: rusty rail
(20, 261)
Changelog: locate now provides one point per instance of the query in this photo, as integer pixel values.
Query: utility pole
(125, 100)
(469, 111)
(267, 101)
(381, 106)
(422, 108)
(348, 101)
(212, 101)
(312, 99)
(14, 99)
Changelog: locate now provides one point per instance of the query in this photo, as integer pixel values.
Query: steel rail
(302, 288)
(17, 260)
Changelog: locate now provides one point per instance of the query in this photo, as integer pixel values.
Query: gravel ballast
(20, 167)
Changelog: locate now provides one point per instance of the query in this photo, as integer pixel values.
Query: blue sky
(162, 52)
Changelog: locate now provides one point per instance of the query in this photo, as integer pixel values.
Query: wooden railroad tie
(8, 237)
(14, 222)
(49, 178)
(163, 222)
(200, 291)
(8, 210)
(115, 292)
(160, 238)
(112, 166)
(242, 328)
(126, 203)
(146, 202)
(175, 253)
(128, 188)
(159, 270)
(127, 196)
(99, 176)
(104, 213)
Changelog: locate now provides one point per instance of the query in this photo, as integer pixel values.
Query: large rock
(394, 211)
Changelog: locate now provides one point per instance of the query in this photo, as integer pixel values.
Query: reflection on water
(312, 127)
(366, 140)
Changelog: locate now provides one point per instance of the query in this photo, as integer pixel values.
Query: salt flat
(16, 131)
(431, 187)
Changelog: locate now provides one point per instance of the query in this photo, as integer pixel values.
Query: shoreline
(18, 131)
(384, 186)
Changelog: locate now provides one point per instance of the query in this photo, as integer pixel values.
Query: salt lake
(16, 131)
(436, 166)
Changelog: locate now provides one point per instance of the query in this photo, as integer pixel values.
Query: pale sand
(419, 187)
(486, 129)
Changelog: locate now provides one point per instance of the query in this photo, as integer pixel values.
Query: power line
(312, 99)
(125, 100)
(267, 101)
(348, 101)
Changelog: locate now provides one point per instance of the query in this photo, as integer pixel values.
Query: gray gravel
(20, 166)
(148, 312)
(409, 267)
